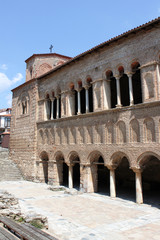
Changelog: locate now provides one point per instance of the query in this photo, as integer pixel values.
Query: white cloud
(6, 83)
(17, 78)
(3, 67)
(9, 100)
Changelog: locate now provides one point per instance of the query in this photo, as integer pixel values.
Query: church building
(92, 122)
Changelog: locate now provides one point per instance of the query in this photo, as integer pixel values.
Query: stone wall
(40, 144)
(23, 130)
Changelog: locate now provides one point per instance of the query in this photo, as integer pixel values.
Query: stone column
(87, 99)
(57, 107)
(45, 109)
(71, 103)
(79, 102)
(112, 183)
(70, 175)
(37, 170)
(139, 191)
(89, 179)
(118, 92)
(52, 108)
(130, 89)
(106, 95)
(50, 172)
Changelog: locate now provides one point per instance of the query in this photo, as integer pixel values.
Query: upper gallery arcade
(76, 120)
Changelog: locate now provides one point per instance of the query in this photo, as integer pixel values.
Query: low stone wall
(9, 207)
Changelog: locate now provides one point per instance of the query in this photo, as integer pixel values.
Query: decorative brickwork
(94, 122)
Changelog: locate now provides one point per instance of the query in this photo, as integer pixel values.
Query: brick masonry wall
(23, 132)
(89, 135)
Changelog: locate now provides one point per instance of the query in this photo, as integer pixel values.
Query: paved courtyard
(87, 216)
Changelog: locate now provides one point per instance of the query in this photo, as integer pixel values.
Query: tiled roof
(47, 55)
(6, 133)
(108, 42)
(5, 115)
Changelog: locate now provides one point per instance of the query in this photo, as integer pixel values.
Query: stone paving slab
(87, 216)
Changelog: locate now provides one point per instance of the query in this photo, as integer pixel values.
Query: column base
(118, 106)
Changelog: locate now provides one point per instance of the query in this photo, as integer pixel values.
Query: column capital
(70, 164)
(87, 87)
(97, 80)
(52, 99)
(117, 77)
(57, 96)
(129, 74)
(79, 89)
(137, 169)
(111, 167)
(86, 164)
(71, 92)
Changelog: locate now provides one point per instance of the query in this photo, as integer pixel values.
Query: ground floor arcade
(139, 183)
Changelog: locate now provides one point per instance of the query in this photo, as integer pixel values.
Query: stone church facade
(93, 121)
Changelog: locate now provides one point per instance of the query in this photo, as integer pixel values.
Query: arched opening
(90, 94)
(44, 158)
(55, 108)
(60, 106)
(76, 174)
(151, 180)
(62, 170)
(83, 100)
(76, 102)
(125, 180)
(103, 177)
(75, 161)
(99, 175)
(124, 87)
(113, 88)
(65, 175)
(136, 83)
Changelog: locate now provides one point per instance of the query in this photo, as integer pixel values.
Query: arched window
(24, 107)
(31, 72)
(90, 94)
(55, 108)
(124, 87)
(136, 83)
(83, 100)
(113, 88)
(23, 104)
(60, 106)
(76, 102)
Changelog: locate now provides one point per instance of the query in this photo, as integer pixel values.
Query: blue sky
(71, 26)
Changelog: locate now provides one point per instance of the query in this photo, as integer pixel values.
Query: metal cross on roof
(51, 48)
